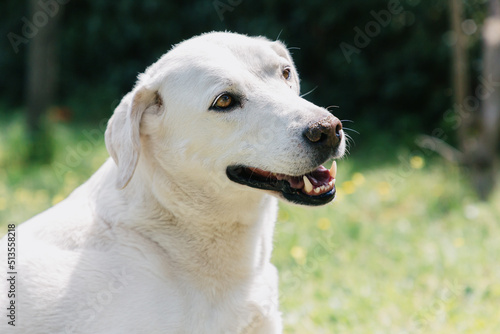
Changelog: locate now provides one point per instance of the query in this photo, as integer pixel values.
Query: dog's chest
(155, 307)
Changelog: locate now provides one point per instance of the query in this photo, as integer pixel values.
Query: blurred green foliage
(398, 82)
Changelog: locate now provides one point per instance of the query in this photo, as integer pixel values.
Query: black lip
(240, 174)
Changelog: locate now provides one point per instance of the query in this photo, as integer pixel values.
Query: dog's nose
(326, 132)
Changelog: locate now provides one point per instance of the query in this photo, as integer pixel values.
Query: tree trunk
(42, 73)
(478, 130)
(460, 71)
(483, 165)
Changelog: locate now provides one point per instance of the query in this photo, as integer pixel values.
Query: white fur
(159, 240)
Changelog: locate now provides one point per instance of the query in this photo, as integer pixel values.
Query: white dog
(174, 233)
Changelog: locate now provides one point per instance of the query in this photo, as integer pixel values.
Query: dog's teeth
(333, 170)
(316, 190)
(308, 187)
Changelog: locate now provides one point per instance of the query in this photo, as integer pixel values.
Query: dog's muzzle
(316, 187)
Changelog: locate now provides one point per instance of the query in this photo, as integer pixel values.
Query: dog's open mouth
(314, 188)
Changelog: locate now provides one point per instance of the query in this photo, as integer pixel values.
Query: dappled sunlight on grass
(395, 253)
(26, 190)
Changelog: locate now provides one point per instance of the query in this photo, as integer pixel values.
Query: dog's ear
(123, 132)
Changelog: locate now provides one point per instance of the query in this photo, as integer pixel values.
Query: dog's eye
(224, 101)
(287, 73)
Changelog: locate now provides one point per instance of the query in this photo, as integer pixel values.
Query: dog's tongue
(320, 180)
(317, 182)
(319, 177)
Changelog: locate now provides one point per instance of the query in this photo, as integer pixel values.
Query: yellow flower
(383, 188)
(22, 195)
(283, 215)
(417, 162)
(324, 223)
(480, 324)
(348, 187)
(339, 196)
(299, 254)
(459, 242)
(57, 199)
(495, 290)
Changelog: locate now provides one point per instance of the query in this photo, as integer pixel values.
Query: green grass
(405, 248)
(419, 256)
(25, 189)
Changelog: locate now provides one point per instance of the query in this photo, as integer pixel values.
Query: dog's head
(221, 114)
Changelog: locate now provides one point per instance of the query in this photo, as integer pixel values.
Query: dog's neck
(199, 242)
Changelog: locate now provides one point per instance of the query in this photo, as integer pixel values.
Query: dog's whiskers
(330, 107)
(277, 38)
(349, 143)
(309, 92)
(356, 132)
